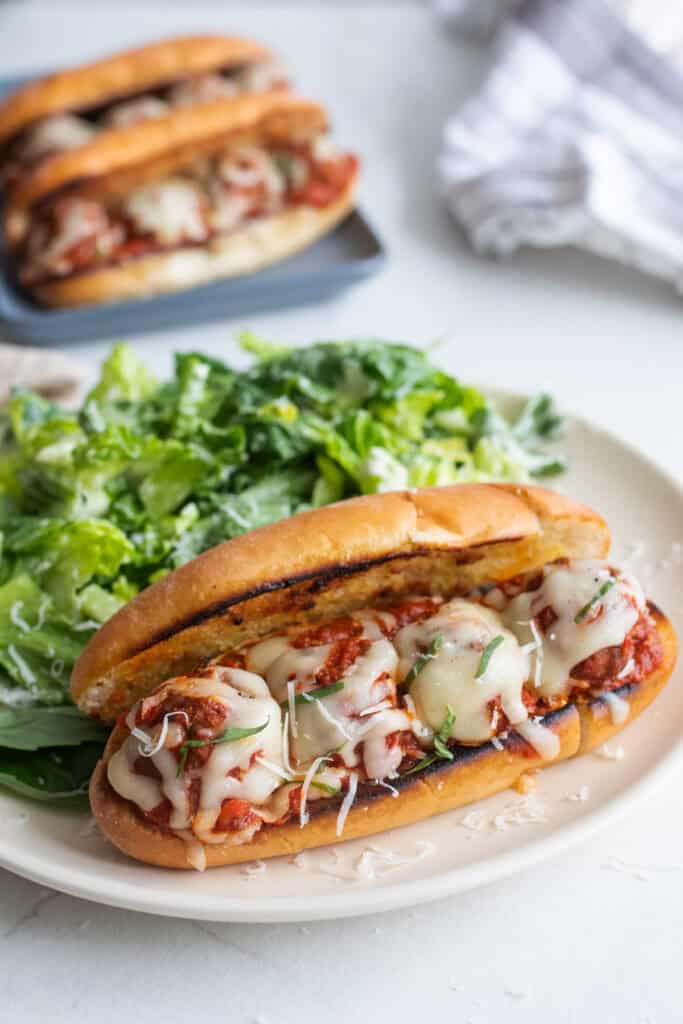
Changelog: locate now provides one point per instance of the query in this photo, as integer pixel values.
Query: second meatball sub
(70, 108)
(209, 193)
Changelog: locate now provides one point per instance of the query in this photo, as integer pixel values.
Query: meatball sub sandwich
(221, 189)
(68, 109)
(363, 666)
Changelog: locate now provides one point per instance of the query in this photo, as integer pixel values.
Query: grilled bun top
(123, 158)
(131, 71)
(324, 562)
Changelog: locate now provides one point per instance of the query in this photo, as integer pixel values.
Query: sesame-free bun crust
(124, 74)
(322, 563)
(116, 161)
(475, 773)
(244, 251)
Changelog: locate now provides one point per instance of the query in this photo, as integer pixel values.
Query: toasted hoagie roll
(362, 666)
(69, 108)
(218, 190)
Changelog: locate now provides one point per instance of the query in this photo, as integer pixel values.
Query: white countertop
(570, 940)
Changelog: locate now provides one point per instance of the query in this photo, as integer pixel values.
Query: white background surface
(579, 941)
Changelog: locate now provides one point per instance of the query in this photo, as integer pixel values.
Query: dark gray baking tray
(349, 254)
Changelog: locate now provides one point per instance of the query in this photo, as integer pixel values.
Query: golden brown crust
(319, 563)
(475, 773)
(132, 71)
(252, 247)
(115, 159)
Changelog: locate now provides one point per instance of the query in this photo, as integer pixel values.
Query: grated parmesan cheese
(530, 810)
(258, 867)
(374, 862)
(581, 795)
(610, 753)
(347, 802)
(304, 817)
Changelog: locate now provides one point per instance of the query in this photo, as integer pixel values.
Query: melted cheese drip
(148, 793)
(142, 791)
(56, 134)
(170, 210)
(540, 737)
(619, 709)
(567, 590)
(194, 851)
(381, 761)
(173, 787)
(450, 677)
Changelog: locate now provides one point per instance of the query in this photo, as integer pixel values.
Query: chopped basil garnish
(322, 691)
(325, 788)
(424, 659)
(226, 737)
(486, 655)
(441, 749)
(607, 585)
(284, 163)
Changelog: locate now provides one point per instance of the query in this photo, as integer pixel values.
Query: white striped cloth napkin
(576, 136)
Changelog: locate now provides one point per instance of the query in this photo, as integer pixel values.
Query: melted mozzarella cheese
(336, 720)
(174, 788)
(171, 210)
(568, 589)
(146, 792)
(142, 791)
(263, 655)
(78, 220)
(202, 89)
(248, 704)
(380, 760)
(143, 108)
(324, 148)
(261, 76)
(372, 623)
(56, 134)
(248, 166)
(449, 678)
(288, 663)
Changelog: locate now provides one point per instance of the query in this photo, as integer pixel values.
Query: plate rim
(397, 894)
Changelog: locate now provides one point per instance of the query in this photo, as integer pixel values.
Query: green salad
(97, 503)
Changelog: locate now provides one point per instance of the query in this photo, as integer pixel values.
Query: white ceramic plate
(456, 851)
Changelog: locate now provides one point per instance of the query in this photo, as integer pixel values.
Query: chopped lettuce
(97, 503)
